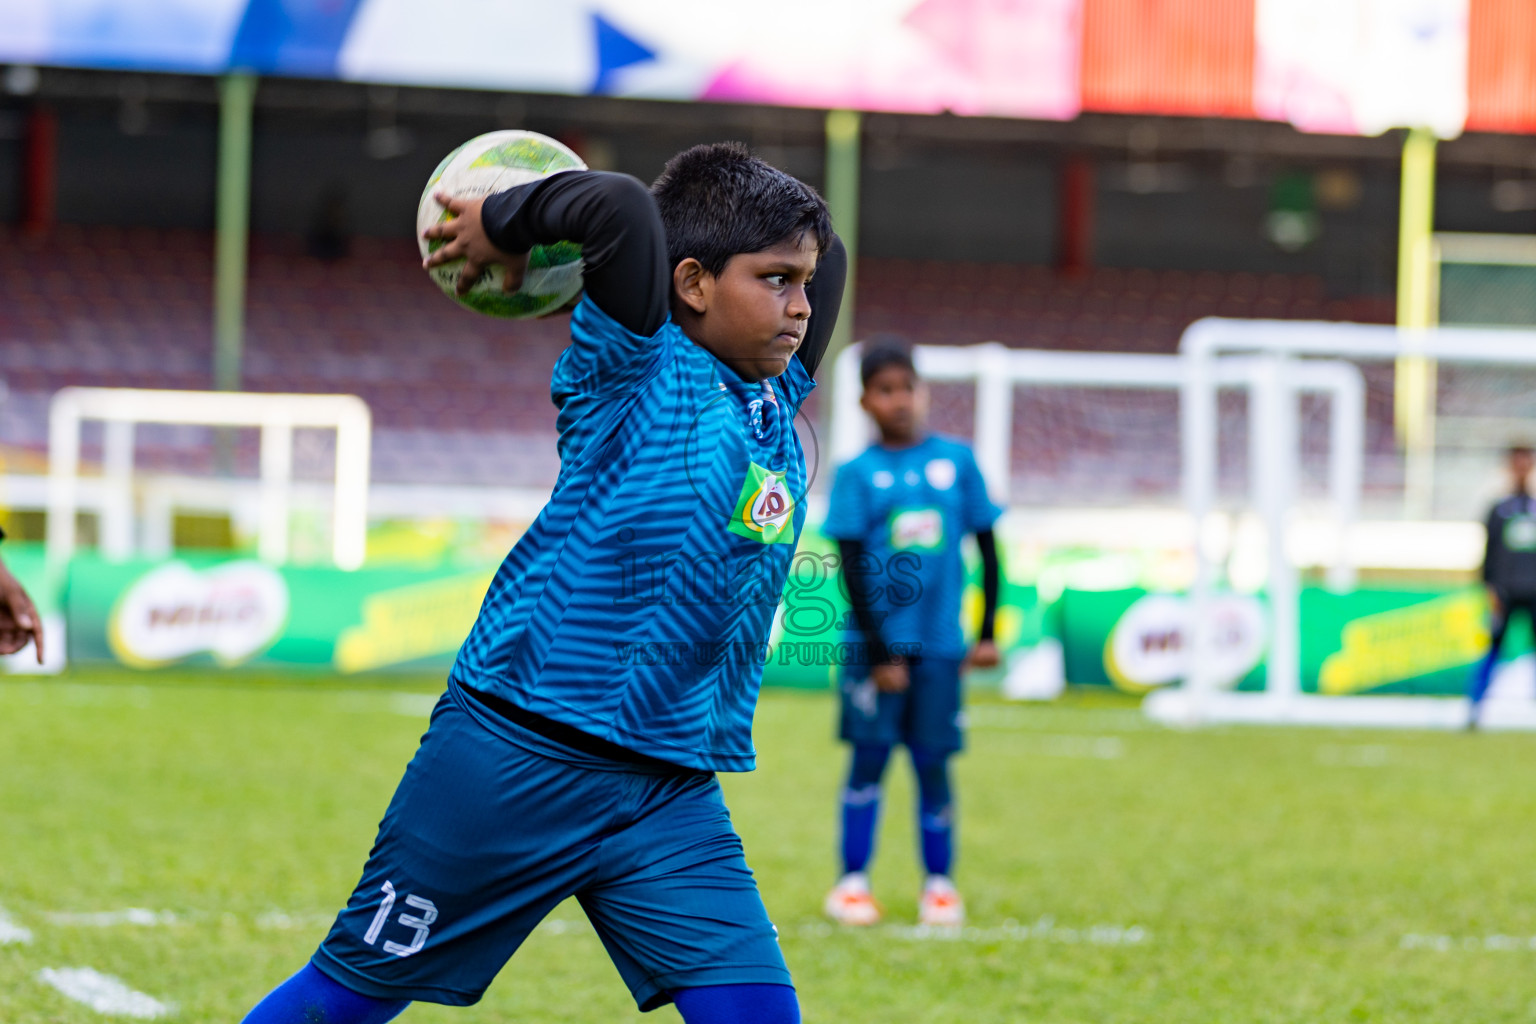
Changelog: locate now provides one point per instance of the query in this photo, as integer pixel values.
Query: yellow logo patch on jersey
(765, 511)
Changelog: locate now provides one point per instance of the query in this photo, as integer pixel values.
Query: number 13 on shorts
(420, 925)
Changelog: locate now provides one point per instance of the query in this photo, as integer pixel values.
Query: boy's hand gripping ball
(491, 163)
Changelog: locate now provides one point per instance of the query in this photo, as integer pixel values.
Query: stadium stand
(463, 399)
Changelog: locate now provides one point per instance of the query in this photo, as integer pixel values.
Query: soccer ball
(490, 163)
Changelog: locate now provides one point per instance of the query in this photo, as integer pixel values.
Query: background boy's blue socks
(861, 805)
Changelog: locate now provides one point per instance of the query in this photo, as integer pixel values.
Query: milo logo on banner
(232, 611)
(1152, 644)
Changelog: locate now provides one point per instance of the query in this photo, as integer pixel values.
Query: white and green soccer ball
(495, 162)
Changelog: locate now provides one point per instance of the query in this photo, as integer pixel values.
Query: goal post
(1310, 389)
(1286, 348)
(1469, 279)
(997, 373)
(275, 415)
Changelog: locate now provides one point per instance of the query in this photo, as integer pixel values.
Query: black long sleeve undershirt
(826, 296)
(991, 579)
(613, 219)
(856, 578)
(624, 249)
(857, 571)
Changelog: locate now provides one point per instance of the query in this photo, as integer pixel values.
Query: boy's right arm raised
(611, 216)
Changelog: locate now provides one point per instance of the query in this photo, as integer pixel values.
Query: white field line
(279, 920)
(566, 926)
(1044, 929)
(1355, 755)
(107, 695)
(103, 993)
(111, 918)
(1057, 744)
(138, 917)
(1469, 943)
(412, 705)
(1048, 720)
(372, 702)
(12, 933)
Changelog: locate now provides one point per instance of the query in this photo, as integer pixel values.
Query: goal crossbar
(996, 371)
(276, 415)
(1288, 347)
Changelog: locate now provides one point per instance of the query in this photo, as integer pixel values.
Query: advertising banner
(1364, 641)
(1362, 66)
(1015, 58)
(226, 613)
(811, 631)
(1352, 66)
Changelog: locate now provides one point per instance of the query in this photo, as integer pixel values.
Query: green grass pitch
(1114, 871)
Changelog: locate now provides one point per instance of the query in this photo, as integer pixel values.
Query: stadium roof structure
(1342, 66)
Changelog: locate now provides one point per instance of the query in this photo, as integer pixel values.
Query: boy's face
(753, 315)
(894, 400)
(1520, 465)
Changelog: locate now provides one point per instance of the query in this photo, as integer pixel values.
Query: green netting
(1480, 293)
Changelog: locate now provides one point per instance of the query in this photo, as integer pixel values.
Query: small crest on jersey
(941, 473)
(765, 512)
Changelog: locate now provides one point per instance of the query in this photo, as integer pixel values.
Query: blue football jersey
(638, 605)
(910, 508)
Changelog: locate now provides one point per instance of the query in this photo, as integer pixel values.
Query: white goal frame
(276, 415)
(996, 371)
(1288, 347)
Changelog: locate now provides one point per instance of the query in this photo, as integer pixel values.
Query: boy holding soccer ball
(607, 678)
(898, 513)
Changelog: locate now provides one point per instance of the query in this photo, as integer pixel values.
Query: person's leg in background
(935, 810)
(861, 805)
(1482, 675)
(941, 904)
(850, 901)
(933, 735)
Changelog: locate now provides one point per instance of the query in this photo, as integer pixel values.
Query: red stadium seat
(131, 306)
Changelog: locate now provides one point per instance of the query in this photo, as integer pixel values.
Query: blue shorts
(927, 716)
(493, 826)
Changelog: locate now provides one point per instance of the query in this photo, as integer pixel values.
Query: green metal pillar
(237, 94)
(1415, 391)
(842, 194)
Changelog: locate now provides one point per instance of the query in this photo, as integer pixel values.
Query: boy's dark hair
(881, 353)
(718, 200)
(1518, 449)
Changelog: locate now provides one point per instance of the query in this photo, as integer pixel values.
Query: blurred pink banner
(1013, 58)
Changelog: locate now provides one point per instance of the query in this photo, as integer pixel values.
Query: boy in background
(1509, 569)
(898, 513)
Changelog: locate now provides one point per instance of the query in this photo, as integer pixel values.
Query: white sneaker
(850, 902)
(941, 905)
